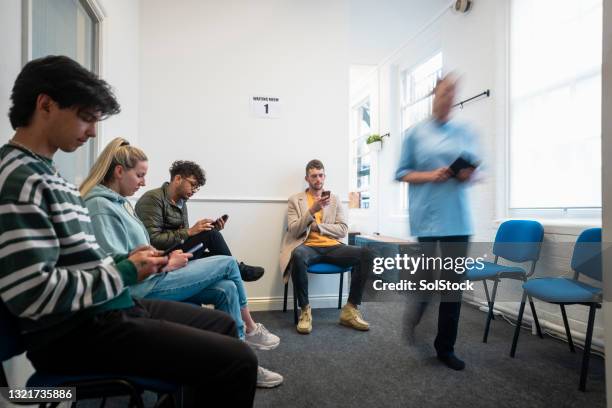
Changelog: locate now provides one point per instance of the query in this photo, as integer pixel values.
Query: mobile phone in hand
(195, 248)
(325, 194)
(224, 217)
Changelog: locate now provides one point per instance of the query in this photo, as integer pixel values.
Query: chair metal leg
(567, 329)
(295, 307)
(519, 321)
(285, 298)
(490, 314)
(486, 288)
(102, 404)
(340, 291)
(535, 318)
(587, 348)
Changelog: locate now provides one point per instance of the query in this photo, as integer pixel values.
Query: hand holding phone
(219, 224)
(325, 196)
(461, 164)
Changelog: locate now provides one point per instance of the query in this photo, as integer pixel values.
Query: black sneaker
(250, 273)
(452, 361)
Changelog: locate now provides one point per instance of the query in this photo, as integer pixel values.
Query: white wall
(120, 67)
(377, 28)
(475, 46)
(200, 62)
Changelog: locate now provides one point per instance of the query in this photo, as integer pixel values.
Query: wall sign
(265, 106)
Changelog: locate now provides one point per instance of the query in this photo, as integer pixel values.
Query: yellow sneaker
(304, 325)
(351, 317)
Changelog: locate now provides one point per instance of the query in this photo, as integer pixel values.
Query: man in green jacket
(68, 297)
(163, 211)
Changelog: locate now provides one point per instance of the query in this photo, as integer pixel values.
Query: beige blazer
(299, 220)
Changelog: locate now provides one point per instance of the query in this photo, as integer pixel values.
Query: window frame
(404, 105)
(357, 138)
(566, 214)
(97, 14)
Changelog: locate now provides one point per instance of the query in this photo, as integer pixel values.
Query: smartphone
(461, 164)
(195, 248)
(224, 217)
(325, 194)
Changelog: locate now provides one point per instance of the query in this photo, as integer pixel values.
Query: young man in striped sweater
(68, 296)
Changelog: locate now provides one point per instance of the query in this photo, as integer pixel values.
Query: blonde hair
(117, 152)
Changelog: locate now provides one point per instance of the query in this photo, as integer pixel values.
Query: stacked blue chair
(586, 260)
(88, 385)
(320, 269)
(516, 241)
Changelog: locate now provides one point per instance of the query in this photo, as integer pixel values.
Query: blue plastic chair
(321, 269)
(516, 241)
(88, 385)
(586, 260)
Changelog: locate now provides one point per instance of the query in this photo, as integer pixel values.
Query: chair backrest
(519, 240)
(586, 259)
(10, 343)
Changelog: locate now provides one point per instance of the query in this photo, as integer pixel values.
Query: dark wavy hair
(185, 168)
(63, 80)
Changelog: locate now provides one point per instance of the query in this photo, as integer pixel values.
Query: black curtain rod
(486, 93)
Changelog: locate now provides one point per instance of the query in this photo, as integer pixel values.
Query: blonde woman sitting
(117, 174)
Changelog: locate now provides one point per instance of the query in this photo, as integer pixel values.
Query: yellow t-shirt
(316, 239)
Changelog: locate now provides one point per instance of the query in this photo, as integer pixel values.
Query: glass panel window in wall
(417, 99)
(361, 162)
(555, 104)
(63, 27)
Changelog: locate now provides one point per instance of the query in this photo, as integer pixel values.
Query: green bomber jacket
(166, 223)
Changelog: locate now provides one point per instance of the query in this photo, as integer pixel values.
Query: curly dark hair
(64, 81)
(186, 168)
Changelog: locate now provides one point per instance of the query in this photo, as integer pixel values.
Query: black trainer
(452, 361)
(250, 273)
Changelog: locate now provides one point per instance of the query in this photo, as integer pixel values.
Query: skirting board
(261, 304)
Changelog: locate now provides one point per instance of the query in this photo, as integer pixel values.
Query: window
(66, 27)
(417, 99)
(361, 154)
(555, 105)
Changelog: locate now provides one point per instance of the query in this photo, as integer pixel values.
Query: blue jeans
(213, 280)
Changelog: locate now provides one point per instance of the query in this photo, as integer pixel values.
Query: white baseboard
(260, 304)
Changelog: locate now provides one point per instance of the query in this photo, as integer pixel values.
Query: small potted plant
(374, 142)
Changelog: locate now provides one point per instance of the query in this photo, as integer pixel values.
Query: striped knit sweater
(53, 274)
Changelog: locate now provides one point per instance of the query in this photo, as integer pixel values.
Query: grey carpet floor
(338, 367)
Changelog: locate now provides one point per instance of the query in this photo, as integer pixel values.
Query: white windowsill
(562, 226)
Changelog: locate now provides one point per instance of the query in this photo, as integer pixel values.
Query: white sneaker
(267, 378)
(261, 338)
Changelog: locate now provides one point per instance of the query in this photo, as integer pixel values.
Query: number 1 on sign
(266, 106)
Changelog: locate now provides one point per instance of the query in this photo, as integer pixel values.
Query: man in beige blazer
(315, 224)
